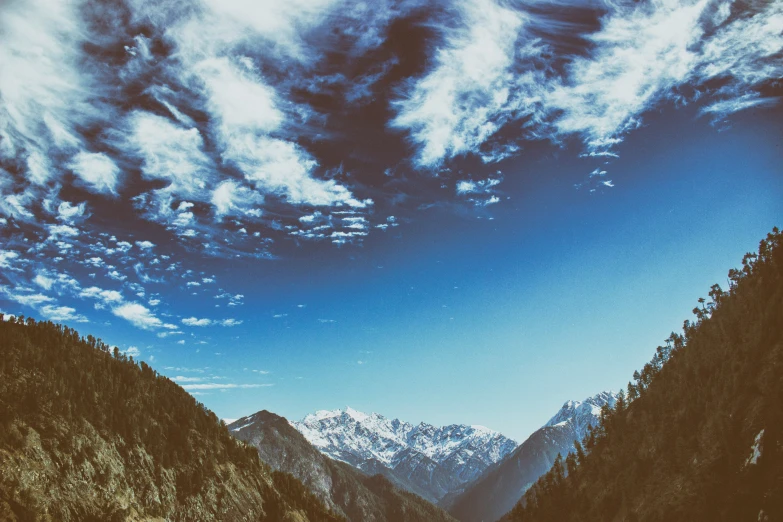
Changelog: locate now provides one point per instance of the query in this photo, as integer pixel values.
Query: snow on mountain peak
(358, 438)
(583, 413)
(358, 415)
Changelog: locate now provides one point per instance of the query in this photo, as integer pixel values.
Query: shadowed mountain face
(501, 486)
(352, 493)
(88, 436)
(424, 459)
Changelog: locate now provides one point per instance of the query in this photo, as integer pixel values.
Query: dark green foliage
(678, 446)
(65, 388)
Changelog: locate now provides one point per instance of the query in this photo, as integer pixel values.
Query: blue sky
(439, 212)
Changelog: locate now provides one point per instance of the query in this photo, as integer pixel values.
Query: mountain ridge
(88, 435)
(428, 460)
(699, 434)
(344, 489)
(499, 488)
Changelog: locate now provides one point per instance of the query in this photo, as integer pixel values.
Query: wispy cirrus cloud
(222, 386)
(642, 55)
(474, 87)
(226, 129)
(194, 321)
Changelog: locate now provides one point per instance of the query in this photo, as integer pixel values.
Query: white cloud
(468, 187)
(132, 351)
(747, 48)
(222, 386)
(45, 305)
(105, 297)
(193, 321)
(644, 52)
(43, 92)
(43, 281)
(181, 378)
(746, 101)
(471, 90)
(138, 315)
(171, 153)
(68, 212)
(7, 257)
(284, 168)
(640, 54)
(62, 313)
(245, 109)
(230, 197)
(239, 97)
(31, 300)
(116, 275)
(57, 231)
(96, 170)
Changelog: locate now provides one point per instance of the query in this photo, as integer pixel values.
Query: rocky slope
(345, 490)
(90, 436)
(501, 486)
(424, 459)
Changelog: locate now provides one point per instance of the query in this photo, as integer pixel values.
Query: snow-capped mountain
(427, 460)
(581, 414)
(502, 485)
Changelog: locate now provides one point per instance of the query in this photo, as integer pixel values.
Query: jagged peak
(334, 429)
(591, 406)
(357, 415)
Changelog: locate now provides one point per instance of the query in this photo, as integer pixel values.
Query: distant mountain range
(424, 459)
(501, 486)
(341, 487)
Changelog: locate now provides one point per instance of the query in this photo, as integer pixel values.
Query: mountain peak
(583, 414)
(368, 441)
(356, 414)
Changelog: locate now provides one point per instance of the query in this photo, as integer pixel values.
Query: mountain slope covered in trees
(89, 435)
(344, 489)
(501, 486)
(699, 435)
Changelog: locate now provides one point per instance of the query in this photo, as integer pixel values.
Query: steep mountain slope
(700, 435)
(90, 436)
(500, 487)
(427, 460)
(341, 487)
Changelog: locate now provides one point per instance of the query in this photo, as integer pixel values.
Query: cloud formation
(222, 129)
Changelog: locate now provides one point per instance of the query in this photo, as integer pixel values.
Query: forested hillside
(698, 435)
(86, 434)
